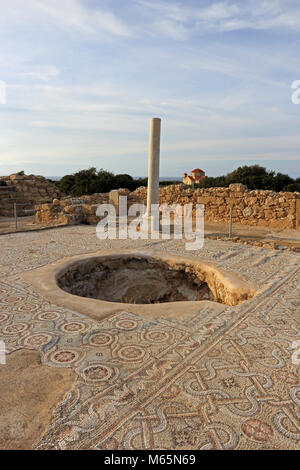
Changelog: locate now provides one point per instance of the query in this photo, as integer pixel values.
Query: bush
(168, 183)
(254, 177)
(292, 187)
(66, 184)
(91, 181)
(124, 181)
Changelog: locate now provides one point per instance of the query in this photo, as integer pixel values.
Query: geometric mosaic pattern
(221, 380)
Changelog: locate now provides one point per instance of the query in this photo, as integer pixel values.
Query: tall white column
(153, 164)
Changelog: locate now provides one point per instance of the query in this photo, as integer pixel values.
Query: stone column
(153, 164)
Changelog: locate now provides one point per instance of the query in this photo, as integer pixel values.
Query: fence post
(15, 216)
(2, 353)
(230, 223)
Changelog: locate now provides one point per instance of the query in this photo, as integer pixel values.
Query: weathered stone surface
(29, 394)
(137, 279)
(237, 187)
(264, 208)
(257, 207)
(135, 370)
(25, 191)
(70, 210)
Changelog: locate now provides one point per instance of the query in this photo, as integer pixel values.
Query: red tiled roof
(197, 170)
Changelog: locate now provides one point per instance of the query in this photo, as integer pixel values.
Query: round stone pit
(144, 283)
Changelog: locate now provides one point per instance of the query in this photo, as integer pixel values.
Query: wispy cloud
(73, 14)
(70, 14)
(225, 16)
(42, 73)
(83, 78)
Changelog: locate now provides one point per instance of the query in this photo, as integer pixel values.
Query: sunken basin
(136, 279)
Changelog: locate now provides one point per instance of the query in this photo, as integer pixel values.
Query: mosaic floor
(225, 379)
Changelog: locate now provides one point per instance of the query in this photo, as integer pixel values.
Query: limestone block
(237, 188)
(247, 212)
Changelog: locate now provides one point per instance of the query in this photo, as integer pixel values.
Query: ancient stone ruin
(256, 208)
(134, 280)
(25, 191)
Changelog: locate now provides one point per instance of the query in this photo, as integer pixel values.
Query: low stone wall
(257, 207)
(79, 210)
(70, 210)
(25, 191)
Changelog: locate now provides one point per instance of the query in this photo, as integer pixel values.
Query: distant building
(195, 177)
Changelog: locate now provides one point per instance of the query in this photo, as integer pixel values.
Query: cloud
(225, 16)
(218, 11)
(73, 95)
(42, 73)
(73, 14)
(172, 29)
(68, 14)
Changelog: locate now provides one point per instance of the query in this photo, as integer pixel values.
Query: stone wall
(79, 210)
(256, 208)
(26, 191)
(70, 210)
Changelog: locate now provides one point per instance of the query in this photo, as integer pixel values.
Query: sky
(80, 80)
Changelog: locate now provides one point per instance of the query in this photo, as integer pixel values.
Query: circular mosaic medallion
(15, 328)
(65, 356)
(101, 339)
(12, 299)
(3, 317)
(132, 353)
(157, 336)
(37, 340)
(28, 307)
(97, 373)
(126, 324)
(73, 327)
(49, 316)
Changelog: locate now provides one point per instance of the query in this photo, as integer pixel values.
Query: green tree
(124, 181)
(66, 184)
(292, 187)
(105, 181)
(85, 182)
(280, 181)
(254, 176)
(210, 182)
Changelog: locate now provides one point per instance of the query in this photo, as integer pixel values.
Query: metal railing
(15, 204)
(230, 222)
